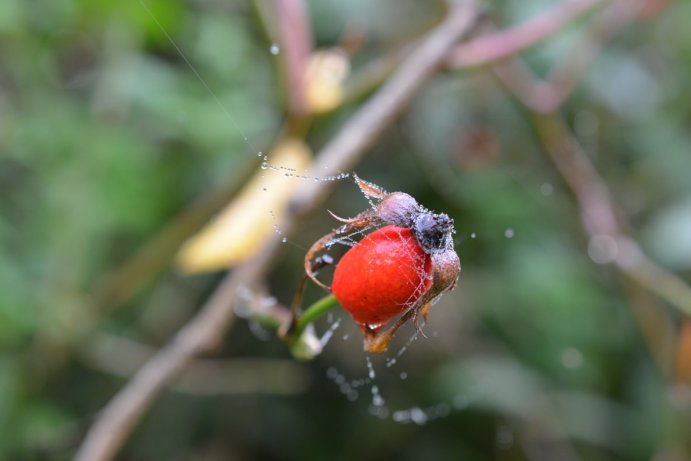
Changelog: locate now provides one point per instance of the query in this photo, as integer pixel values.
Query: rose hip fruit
(396, 271)
(382, 276)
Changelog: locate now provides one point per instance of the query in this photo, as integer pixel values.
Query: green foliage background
(106, 135)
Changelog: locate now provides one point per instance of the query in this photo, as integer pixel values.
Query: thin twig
(483, 50)
(599, 215)
(548, 94)
(602, 219)
(501, 45)
(608, 237)
(206, 330)
(295, 47)
(122, 357)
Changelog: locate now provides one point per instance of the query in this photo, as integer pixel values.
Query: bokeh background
(126, 125)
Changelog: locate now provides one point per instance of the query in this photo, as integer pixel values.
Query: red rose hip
(382, 276)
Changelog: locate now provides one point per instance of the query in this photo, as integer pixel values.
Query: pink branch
(295, 47)
(501, 45)
(549, 94)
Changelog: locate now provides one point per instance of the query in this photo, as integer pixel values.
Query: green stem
(312, 313)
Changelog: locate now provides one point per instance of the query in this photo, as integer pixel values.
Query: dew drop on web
(377, 405)
(370, 368)
(326, 337)
(546, 189)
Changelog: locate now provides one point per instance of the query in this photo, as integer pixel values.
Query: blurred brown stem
(548, 94)
(482, 50)
(599, 213)
(295, 46)
(504, 44)
(599, 216)
(206, 330)
(602, 219)
(123, 357)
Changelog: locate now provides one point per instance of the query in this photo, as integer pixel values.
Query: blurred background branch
(598, 212)
(608, 229)
(500, 45)
(548, 94)
(202, 376)
(295, 34)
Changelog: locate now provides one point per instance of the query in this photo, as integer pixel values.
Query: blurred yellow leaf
(326, 72)
(239, 230)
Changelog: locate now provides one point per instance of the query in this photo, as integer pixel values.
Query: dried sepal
(433, 233)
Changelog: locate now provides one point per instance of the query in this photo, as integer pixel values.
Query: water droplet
(284, 240)
(370, 368)
(404, 375)
(324, 340)
(509, 233)
(418, 416)
(546, 189)
(473, 235)
(275, 49)
(265, 165)
(571, 358)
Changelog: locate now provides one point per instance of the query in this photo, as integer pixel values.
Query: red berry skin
(382, 276)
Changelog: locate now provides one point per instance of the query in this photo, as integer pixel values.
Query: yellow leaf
(239, 230)
(325, 74)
